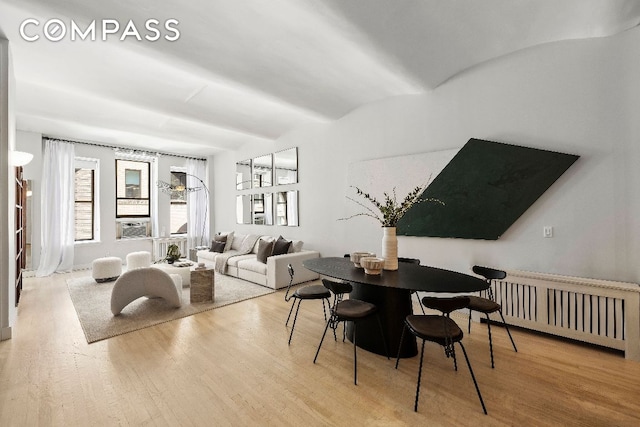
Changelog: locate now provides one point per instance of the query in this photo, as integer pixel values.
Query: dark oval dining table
(391, 292)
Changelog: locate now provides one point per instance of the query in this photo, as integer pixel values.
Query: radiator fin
(161, 246)
(596, 311)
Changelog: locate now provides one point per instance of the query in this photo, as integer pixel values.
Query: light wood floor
(232, 366)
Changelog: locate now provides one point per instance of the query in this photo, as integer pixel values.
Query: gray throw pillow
(217, 246)
(281, 246)
(217, 240)
(264, 251)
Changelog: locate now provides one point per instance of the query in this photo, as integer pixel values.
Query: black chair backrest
(445, 305)
(287, 297)
(409, 260)
(489, 273)
(336, 287)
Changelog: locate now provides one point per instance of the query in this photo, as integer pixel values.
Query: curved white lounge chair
(145, 282)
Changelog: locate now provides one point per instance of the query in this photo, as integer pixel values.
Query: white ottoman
(106, 269)
(138, 260)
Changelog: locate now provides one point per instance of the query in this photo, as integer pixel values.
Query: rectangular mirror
(263, 171)
(243, 175)
(243, 209)
(287, 208)
(286, 166)
(268, 209)
(262, 209)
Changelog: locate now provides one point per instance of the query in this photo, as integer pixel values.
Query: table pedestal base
(394, 305)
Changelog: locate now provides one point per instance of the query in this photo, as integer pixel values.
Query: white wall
(579, 97)
(7, 192)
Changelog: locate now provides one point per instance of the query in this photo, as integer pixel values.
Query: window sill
(87, 242)
(133, 239)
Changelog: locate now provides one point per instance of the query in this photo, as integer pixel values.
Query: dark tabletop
(408, 276)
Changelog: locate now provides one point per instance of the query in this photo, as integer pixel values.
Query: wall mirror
(263, 171)
(287, 208)
(263, 209)
(286, 166)
(243, 175)
(243, 209)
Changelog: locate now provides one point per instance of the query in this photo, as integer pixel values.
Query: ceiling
(251, 70)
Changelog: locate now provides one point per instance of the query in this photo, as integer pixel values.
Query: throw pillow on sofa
(265, 249)
(218, 243)
(281, 246)
(217, 246)
(228, 236)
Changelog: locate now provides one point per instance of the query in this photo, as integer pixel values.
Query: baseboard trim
(5, 333)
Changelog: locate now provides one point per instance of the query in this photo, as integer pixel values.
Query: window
(132, 189)
(178, 209)
(84, 200)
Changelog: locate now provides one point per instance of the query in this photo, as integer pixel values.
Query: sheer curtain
(57, 201)
(197, 204)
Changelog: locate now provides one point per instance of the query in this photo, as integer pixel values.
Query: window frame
(94, 166)
(148, 199)
(176, 202)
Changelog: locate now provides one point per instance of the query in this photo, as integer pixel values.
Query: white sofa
(274, 274)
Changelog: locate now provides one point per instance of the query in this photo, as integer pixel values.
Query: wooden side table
(202, 285)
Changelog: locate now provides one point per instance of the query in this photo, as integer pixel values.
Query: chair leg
(384, 341)
(419, 302)
(324, 310)
(415, 406)
(509, 333)
(469, 330)
(290, 311)
(453, 354)
(404, 329)
(490, 342)
(322, 339)
(473, 377)
(355, 356)
(294, 321)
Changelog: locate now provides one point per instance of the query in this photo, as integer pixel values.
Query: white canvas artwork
(404, 173)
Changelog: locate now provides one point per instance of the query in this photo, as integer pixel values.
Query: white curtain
(155, 223)
(197, 204)
(57, 201)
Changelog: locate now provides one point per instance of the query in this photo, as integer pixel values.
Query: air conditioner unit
(134, 229)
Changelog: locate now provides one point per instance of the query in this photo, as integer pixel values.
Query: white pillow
(296, 246)
(236, 244)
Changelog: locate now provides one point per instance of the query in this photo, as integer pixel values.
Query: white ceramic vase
(390, 248)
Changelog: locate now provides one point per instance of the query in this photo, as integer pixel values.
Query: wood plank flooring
(232, 367)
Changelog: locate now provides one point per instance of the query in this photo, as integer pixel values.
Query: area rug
(92, 301)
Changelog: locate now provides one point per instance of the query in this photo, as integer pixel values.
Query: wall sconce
(20, 158)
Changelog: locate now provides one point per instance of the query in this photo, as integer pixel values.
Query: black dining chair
(310, 292)
(348, 310)
(489, 305)
(415, 261)
(439, 329)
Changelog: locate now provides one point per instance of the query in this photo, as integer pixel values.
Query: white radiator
(600, 312)
(161, 245)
